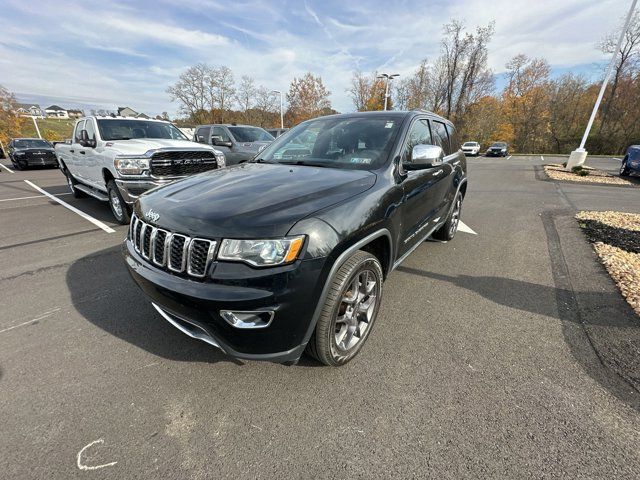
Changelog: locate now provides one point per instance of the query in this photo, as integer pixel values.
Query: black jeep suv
(289, 251)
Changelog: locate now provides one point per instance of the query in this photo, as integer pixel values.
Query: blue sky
(111, 53)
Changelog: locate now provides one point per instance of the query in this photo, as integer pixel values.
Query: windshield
(469, 144)
(250, 134)
(128, 129)
(358, 142)
(31, 143)
(499, 144)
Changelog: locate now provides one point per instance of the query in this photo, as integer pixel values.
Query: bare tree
(245, 95)
(266, 107)
(222, 86)
(193, 91)
(359, 90)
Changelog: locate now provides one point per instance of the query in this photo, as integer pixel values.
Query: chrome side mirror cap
(424, 156)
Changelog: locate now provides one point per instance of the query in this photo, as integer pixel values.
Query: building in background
(29, 110)
(54, 111)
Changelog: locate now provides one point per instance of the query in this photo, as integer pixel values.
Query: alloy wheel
(72, 187)
(116, 206)
(455, 216)
(357, 310)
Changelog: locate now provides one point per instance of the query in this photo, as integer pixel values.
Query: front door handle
(72, 150)
(436, 173)
(82, 152)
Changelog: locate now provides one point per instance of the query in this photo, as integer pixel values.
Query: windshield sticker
(366, 161)
(388, 125)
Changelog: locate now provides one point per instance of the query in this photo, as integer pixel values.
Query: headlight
(261, 253)
(131, 165)
(504, 150)
(220, 159)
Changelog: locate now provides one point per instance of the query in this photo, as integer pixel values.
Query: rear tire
(447, 231)
(119, 208)
(349, 311)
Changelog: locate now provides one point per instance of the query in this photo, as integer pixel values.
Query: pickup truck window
(117, 129)
(88, 126)
(220, 132)
(250, 134)
(79, 127)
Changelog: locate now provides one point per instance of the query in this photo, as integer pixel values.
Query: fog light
(247, 319)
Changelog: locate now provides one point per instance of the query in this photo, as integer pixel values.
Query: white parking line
(7, 168)
(31, 196)
(508, 157)
(86, 216)
(463, 227)
(541, 158)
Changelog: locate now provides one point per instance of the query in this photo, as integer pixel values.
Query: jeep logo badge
(152, 216)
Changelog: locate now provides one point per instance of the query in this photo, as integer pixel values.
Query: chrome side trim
(204, 336)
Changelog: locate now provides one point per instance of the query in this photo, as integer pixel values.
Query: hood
(139, 146)
(250, 200)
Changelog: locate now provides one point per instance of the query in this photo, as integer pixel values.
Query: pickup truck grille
(182, 162)
(171, 251)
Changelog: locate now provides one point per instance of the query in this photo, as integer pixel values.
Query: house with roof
(127, 112)
(29, 110)
(75, 113)
(55, 111)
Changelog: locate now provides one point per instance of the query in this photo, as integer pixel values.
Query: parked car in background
(117, 159)
(498, 149)
(630, 164)
(239, 143)
(289, 252)
(276, 132)
(471, 148)
(31, 152)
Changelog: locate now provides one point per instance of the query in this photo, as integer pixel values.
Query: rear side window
(79, 127)
(453, 139)
(440, 136)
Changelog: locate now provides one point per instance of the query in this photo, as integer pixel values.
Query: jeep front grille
(175, 252)
(179, 163)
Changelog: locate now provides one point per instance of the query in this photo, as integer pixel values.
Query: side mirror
(85, 141)
(424, 156)
(200, 139)
(217, 141)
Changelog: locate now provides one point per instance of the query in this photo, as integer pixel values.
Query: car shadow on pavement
(103, 292)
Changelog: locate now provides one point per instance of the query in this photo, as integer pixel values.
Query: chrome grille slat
(172, 251)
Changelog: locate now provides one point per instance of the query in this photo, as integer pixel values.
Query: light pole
(387, 78)
(36, 125)
(281, 114)
(578, 156)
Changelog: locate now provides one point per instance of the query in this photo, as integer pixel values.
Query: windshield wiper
(307, 164)
(262, 160)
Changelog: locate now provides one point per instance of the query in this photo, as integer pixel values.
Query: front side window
(220, 133)
(355, 142)
(117, 129)
(419, 134)
(250, 134)
(440, 136)
(77, 136)
(88, 126)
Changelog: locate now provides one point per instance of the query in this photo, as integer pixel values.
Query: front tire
(118, 206)
(447, 231)
(624, 169)
(349, 311)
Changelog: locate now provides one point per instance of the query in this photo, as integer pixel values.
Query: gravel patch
(616, 239)
(557, 172)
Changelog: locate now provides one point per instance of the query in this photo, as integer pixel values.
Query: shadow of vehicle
(593, 322)
(103, 292)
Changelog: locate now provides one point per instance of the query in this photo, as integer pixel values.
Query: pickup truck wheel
(16, 164)
(118, 206)
(349, 311)
(449, 229)
(71, 183)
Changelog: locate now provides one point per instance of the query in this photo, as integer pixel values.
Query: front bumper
(131, 189)
(491, 153)
(194, 307)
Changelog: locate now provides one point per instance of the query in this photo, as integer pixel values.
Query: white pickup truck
(117, 159)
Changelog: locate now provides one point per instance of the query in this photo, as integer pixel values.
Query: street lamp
(579, 155)
(281, 115)
(387, 78)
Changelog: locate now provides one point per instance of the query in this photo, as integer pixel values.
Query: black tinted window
(440, 136)
(419, 134)
(453, 139)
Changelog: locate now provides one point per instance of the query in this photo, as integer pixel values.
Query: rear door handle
(72, 150)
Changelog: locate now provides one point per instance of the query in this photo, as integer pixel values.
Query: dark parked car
(498, 149)
(276, 132)
(30, 152)
(272, 257)
(239, 143)
(631, 162)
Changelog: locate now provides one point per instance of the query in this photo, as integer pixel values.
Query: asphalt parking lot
(503, 354)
